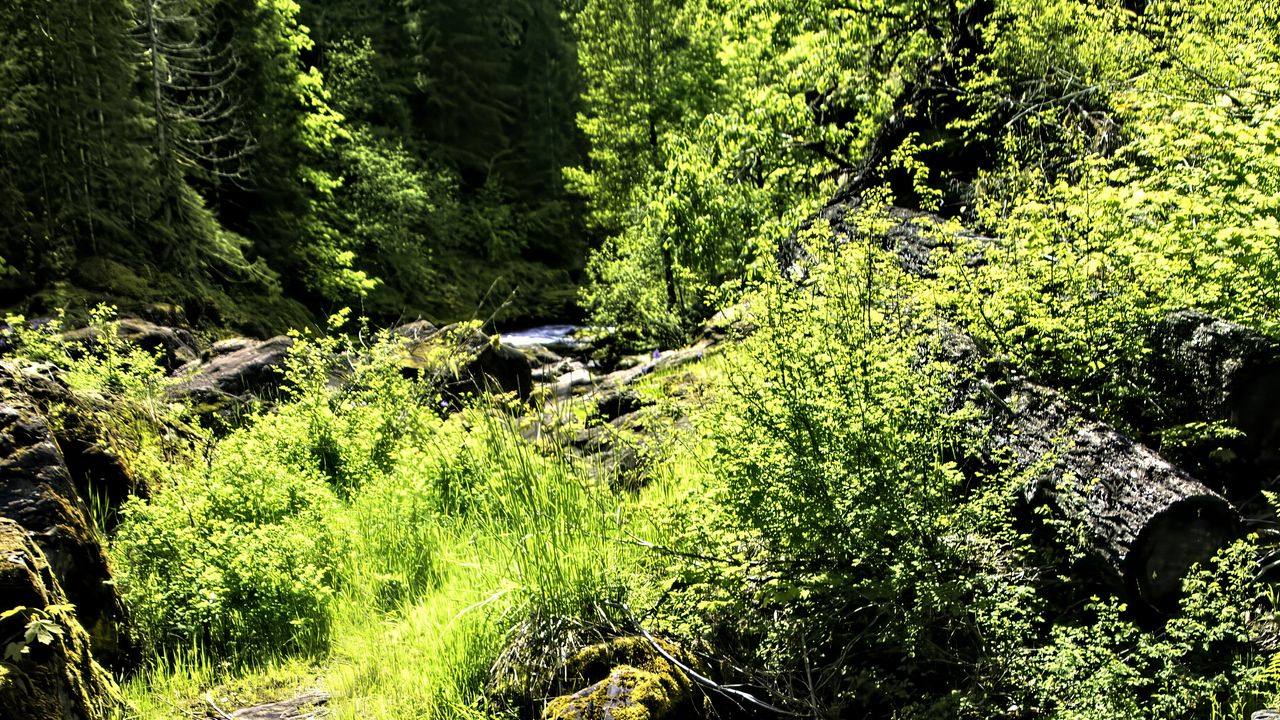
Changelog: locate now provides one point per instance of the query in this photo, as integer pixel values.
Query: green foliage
(817, 539)
(1200, 665)
(197, 141)
(242, 552)
(836, 438)
(833, 512)
(836, 558)
(460, 119)
(42, 627)
(1134, 180)
(752, 112)
(237, 555)
(353, 516)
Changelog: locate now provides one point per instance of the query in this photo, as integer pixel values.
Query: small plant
(41, 628)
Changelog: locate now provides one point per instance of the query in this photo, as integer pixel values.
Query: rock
(628, 680)
(628, 362)
(465, 361)
(614, 403)
(39, 495)
(1202, 370)
(1144, 522)
(627, 694)
(229, 345)
(540, 356)
(307, 706)
(623, 466)
(92, 454)
(237, 369)
(554, 427)
(416, 331)
(167, 314)
(579, 377)
(174, 347)
(53, 680)
(550, 373)
(658, 362)
(593, 439)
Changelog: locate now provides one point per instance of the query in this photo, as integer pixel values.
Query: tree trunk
(1144, 520)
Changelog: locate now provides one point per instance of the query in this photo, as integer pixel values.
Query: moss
(628, 693)
(57, 679)
(627, 679)
(100, 273)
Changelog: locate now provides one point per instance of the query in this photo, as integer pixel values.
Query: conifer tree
(72, 180)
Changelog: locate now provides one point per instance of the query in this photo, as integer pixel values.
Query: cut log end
(1186, 533)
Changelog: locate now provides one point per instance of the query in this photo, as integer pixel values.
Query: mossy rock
(627, 694)
(39, 493)
(628, 680)
(464, 361)
(56, 677)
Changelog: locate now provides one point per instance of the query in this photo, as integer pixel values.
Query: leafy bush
(837, 560)
(237, 555)
(244, 551)
(1132, 183)
(834, 512)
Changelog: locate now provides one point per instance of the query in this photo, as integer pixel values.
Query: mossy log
(1144, 520)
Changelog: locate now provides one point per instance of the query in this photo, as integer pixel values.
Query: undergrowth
(364, 529)
(810, 539)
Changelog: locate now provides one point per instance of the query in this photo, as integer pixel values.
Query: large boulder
(38, 494)
(49, 672)
(237, 369)
(1213, 389)
(462, 360)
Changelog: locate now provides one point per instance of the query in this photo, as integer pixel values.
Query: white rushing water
(544, 335)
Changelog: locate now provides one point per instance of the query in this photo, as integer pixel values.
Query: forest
(639, 359)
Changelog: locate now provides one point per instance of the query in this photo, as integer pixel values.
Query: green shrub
(838, 560)
(238, 556)
(833, 507)
(246, 551)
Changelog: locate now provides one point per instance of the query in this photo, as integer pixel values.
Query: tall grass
(528, 537)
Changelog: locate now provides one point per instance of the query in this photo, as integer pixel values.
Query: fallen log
(1145, 521)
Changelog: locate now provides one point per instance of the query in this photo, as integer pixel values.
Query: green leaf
(15, 651)
(10, 613)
